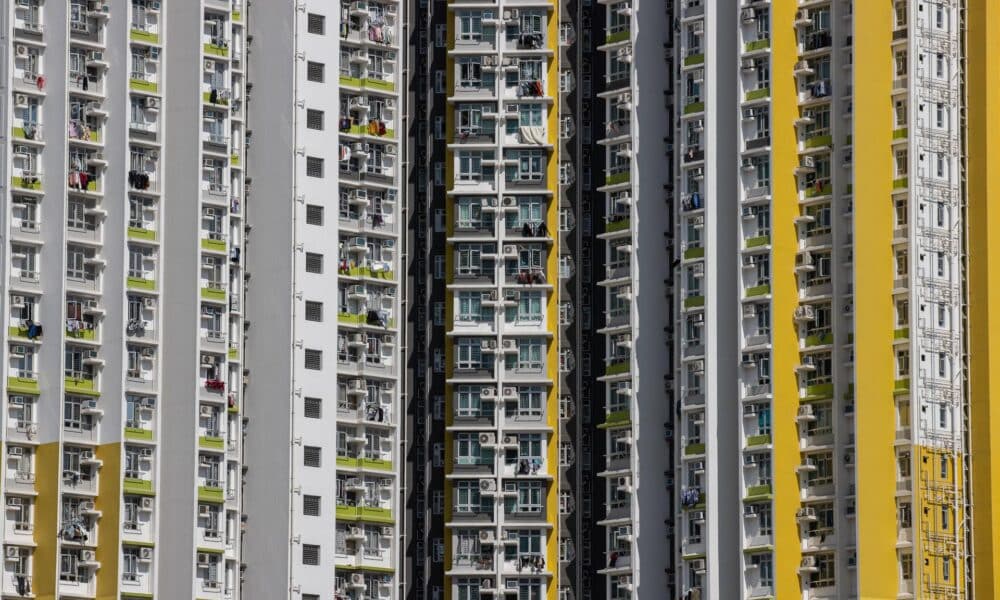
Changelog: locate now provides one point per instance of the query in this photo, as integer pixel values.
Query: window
(314, 119)
(313, 359)
(314, 310)
(765, 568)
(310, 554)
(468, 401)
(470, 72)
(317, 24)
(315, 71)
(310, 505)
(906, 567)
(311, 456)
(314, 166)
(314, 214)
(314, 262)
(824, 576)
(467, 498)
(470, 25)
(313, 408)
(470, 307)
(530, 354)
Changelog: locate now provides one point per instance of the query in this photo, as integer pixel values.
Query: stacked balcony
(501, 288)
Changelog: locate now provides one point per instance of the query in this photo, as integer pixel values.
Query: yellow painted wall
(983, 45)
(784, 244)
(109, 501)
(936, 492)
(873, 282)
(45, 568)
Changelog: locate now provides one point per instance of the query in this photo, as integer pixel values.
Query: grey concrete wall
(269, 212)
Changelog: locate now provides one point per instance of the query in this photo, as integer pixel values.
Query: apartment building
(324, 343)
(687, 300)
(123, 194)
(823, 427)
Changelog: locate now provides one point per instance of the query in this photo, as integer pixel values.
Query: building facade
(123, 211)
(519, 298)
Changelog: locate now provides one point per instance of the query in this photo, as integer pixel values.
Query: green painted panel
(136, 433)
(214, 245)
(142, 487)
(694, 301)
(137, 233)
(691, 253)
(211, 443)
(617, 368)
(137, 283)
(213, 50)
(22, 385)
(144, 36)
(819, 140)
(81, 386)
(618, 36)
(19, 182)
(141, 85)
(694, 107)
(758, 241)
(209, 494)
(694, 449)
(694, 59)
(757, 45)
(759, 290)
(759, 440)
(758, 94)
(616, 178)
(620, 225)
(213, 294)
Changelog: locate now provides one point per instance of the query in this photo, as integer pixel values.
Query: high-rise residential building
(324, 303)
(506, 299)
(823, 299)
(122, 226)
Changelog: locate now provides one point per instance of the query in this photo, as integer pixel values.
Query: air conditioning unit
(149, 402)
(17, 400)
(14, 501)
(750, 460)
(510, 440)
(15, 451)
(21, 150)
(13, 552)
(390, 149)
(510, 344)
(697, 515)
(748, 165)
(152, 103)
(21, 99)
(748, 64)
(146, 453)
(750, 510)
(749, 410)
(509, 250)
(207, 359)
(149, 301)
(487, 439)
(805, 312)
(808, 162)
(698, 27)
(387, 532)
(749, 311)
(488, 393)
(698, 173)
(749, 260)
(146, 554)
(204, 558)
(488, 485)
(206, 410)
(809, 562)
(149, 352)
(486, 536)
(749, 114)
(147, 503)
(748, 15)
(357, 578)
(87, 555)
(21, 50)
(209, 65)
(17, 301)
(748, 360)
(698, 565)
